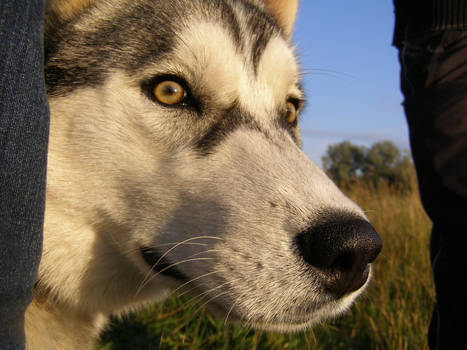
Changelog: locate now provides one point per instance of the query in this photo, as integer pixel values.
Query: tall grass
(393, 314)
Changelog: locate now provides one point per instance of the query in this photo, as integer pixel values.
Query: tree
(385, 163)
(344, 161)
(382, 163)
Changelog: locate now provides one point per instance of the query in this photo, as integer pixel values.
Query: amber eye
(291, 113)
(169, 92)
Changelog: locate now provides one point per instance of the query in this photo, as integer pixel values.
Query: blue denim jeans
(24, 127)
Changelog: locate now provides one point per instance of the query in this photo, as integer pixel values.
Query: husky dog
(175, 163)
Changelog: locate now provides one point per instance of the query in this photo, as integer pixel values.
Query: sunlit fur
(125, 172)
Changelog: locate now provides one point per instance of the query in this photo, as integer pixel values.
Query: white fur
(123, 174)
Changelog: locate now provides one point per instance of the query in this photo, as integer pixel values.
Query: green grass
(393, 314)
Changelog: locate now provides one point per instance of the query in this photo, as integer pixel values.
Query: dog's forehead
(260, 71)
(230, 46)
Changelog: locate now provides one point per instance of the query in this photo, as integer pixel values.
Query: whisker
(209, 300)
(186, 242)
(195, 279)
(329, 72)
(207, 291)
(149, 275)
(183, 242)
(146, 279)
(230, 310)
(205, 251)
(192, 301)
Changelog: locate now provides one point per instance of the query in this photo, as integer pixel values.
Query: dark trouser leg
(24, 125)
(434, 83)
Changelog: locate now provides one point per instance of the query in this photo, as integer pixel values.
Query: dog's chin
(291, 325)
(232, 317)
(334, 307)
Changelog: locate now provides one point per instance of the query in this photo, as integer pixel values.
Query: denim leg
(24, 127)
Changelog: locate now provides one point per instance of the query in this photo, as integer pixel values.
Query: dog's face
(175, 161)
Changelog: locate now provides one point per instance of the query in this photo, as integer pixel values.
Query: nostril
(341, 247)
(344, 261)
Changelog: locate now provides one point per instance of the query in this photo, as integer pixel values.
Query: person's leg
(434, 83)
(24, 123)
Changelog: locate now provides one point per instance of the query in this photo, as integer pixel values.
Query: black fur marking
(114, 43)
(231, 120)
(161, 265)
(227, 18)
(262, 27)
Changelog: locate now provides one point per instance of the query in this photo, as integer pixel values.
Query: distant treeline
(381, 164)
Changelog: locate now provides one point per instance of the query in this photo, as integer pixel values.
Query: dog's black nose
(341, 247)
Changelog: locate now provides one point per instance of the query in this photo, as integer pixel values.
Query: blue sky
(351, 74)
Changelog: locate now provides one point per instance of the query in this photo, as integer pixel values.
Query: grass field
(393, 314)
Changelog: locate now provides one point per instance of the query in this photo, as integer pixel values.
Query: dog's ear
(65, 10)
(284, 11)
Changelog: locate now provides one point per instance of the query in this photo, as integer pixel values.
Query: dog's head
(175, 162)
